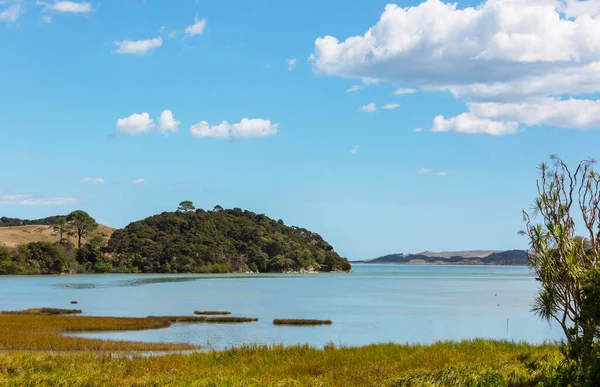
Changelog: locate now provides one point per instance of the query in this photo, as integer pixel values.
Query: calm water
(376, 303)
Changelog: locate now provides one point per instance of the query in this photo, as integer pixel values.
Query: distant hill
(12, 236)
(8, 222)
(222, 240)
(470, 257)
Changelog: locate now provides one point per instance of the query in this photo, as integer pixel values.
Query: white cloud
(197, 28)
(167, 123)
(47, 19)
(355, 149)
(354, 89)
(391, 106)
(404, 90)
(499, 51)
(291, 64)
(31, 200)
(10, 14)
(134, 124)
(427, 171)
(139, 181)
(137, 47)
(246, 128)
(92, 180)
(369, 108)
(268, 65)
(69, 7)
(418, 130)
(172, 35)
(471, 124)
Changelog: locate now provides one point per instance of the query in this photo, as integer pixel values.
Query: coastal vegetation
(188, 240)
(212, 312)
(279, 321)
(468, 363)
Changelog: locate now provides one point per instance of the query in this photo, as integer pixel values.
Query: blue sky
(117, 108)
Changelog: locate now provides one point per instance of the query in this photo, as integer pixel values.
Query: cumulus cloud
(472, 124)
(353, 89)
(92, 180)
(499, 51)
(246, 128)
(369, 108)
(32, 200)
(391, 106)
(139, 123)
(69, 6)
(137, 47)
(427, 171)
(291, 64)
(355, 149)
(197, 28)
(167, 123)
(11, 13)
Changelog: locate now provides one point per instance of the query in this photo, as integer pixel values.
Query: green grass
(469, 363)
(278, 321)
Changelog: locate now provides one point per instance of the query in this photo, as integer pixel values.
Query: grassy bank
(476, 363)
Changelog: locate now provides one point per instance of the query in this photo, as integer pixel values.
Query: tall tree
(186, 206)
(82, 223)
(63, 228)
(562, 261)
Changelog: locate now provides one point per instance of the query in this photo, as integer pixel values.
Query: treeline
(49, 221)
(222, 240)
(185, 241)
(510, 257)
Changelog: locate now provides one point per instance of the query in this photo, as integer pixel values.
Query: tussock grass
(212, 313)
(468, 363)
(278, 321)
(31, 331)
(45, 311)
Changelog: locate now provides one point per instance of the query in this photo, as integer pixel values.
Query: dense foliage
(510, 257)
(221, 240)
(51, 220)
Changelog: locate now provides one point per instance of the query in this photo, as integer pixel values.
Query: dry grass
(212, 313)
(20, 235)
(470, 363)
(44, 332)
(204, 319)
(45, 311)
(278, 321)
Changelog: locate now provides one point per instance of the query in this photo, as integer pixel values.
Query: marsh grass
(45, 332)
(44, 311)
(469, 363)
(205, 319)
(301, 322)
(212, 313)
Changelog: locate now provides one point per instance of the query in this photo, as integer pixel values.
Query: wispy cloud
(137, 47)
(418, 130)
(92, 180)
(291, 63)
(427, 171)
(197, 28)
(369, 108)
(403, 91)
(139, 181)
(354, 89)
(355, 149)
(10, 14)
(67, 6)
(32, 200)
(391, 106)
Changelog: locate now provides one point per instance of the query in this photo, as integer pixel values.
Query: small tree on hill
(82, 223)
(566, 264)
(186, 206)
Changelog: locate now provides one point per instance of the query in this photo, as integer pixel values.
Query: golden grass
(31, 331)
(45, 311)
(298, 321)
(211, 312)
(20, 235)
(469, 363)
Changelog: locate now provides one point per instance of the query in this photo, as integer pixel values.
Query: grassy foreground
(469, 363)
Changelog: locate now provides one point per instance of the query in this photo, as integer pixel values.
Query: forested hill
(222, 240)
(11, 222)
(510, 257)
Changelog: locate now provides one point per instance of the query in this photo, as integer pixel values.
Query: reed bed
(278, 321)
(45, 332)
(212, 313)
(468, 363)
